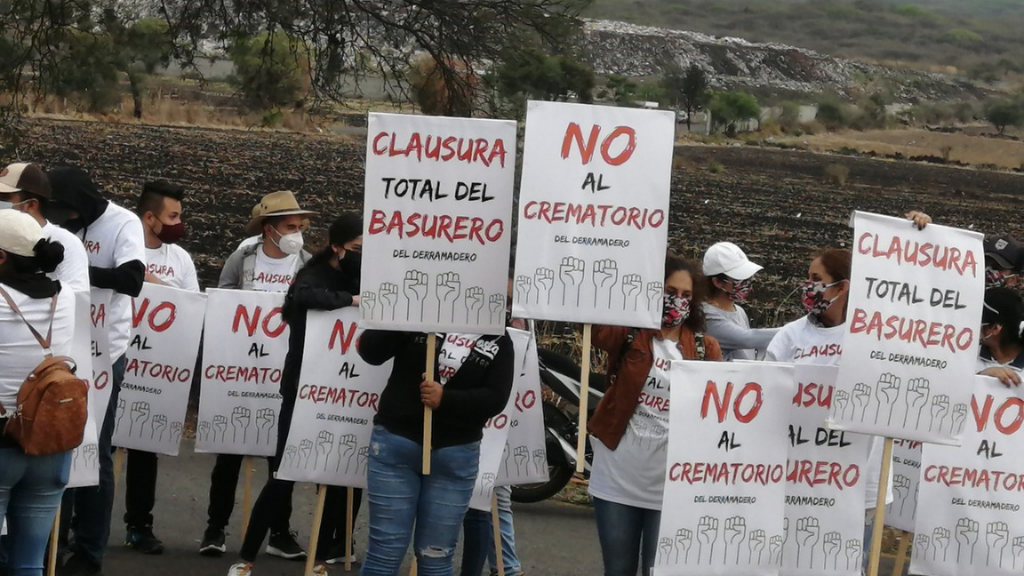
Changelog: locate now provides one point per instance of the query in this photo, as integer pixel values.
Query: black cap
(1005, 251)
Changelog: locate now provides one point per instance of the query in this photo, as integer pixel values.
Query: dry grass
(968, 149)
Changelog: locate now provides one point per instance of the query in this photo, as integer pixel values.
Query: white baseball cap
(19, 233)
(727, 258)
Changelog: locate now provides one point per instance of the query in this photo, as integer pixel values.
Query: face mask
(290, 244)
(675, 310)
(73, 225)
(171, 233)
(5, 205)
(996, 278)
(741, 291)
(813, 297)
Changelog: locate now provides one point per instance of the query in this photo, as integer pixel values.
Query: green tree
(687, 89)
(622, 89)
(142, 48)
(532, 74)
(1004, 114)
(730, 108)
(832, 114)
(82, 67)
(271, 69)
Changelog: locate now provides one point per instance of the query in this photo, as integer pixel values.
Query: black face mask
(73, 225)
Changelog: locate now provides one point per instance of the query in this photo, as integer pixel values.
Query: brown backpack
(52, 404)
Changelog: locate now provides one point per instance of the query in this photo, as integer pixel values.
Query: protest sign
(166, 327)
(525, 454)
(329, 437)
(437, 224)
(725, 491)
(593, 214)
(911, 332)
(493, 447)
(906, 475)
(972, 523)
(85, 464)
(85, 460)
(826, 480)
(245, 343)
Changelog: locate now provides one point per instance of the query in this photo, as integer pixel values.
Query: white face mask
(5, 205)
(290, 244)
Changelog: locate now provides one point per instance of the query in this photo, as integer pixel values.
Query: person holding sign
(30, 486)
(270, 265)
(1002, 336)
(328, 282)
(475, 375)
(730, 275)
(630, 424)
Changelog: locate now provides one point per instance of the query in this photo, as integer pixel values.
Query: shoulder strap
(698, 341)
(613, 371)
(44, 342)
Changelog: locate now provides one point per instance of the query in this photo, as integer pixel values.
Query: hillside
(982, 41)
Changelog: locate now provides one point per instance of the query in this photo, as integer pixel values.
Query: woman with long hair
(630, 424)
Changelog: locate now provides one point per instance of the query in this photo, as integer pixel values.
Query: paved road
(553, 539)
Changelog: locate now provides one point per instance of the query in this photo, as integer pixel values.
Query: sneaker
(143, 540)
(240, 569)
(284, 545)
(213, 542)
(337, 554)
(320, 570)
(78, 566)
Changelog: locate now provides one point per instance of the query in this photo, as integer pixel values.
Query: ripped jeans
(402, 500)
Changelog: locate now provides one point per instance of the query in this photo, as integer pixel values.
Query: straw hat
(275, 204)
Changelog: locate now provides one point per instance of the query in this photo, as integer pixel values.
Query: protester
(30, 486)
(730, 278)
(631, 435)
(474, 384)
(1002, 336)
(26, 188)
(327, 282)
(115, 244)
(1004, 261)
(269, 265)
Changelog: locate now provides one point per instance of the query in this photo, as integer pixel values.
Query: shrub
(832, 115)
(837, 174)
(715, 168)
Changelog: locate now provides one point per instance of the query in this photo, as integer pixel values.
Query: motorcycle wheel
(559, 469)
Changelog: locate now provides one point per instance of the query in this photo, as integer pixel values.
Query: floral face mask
(675, 310)
(813, 297)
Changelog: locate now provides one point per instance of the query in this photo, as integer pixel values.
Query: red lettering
(339, 335)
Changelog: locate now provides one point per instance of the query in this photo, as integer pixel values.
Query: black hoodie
(74, 191)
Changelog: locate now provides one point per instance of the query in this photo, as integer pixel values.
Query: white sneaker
(240, 569)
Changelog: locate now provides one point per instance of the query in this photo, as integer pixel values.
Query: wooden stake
(351, 498)
(879, 527)
(428, 414)
(51, 568)
(412, 569)
(118, 466)
(246, 494)
(496, 520)
(314, 532)
(901, 553)
(581, 444)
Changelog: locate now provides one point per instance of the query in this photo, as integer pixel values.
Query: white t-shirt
(73, 272)
(634, 473)
(20, 352)
(454, 351)
(274, 274)
(804, 342)
(115, 238)
(172, 264)
(732, 330)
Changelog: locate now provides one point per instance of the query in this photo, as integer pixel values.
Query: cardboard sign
(493, 454)
(437, 224)
(725, 484)
(525, 454)
(166, 327)
(85, 463)
(912, 330)
(593, 214)
(972, 523)
(826, 480)
(906, 477)
(329, 438)
(243, 356)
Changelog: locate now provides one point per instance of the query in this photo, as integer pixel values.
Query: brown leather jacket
(623, 394)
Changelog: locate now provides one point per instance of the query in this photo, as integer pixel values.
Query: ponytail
(49, 255)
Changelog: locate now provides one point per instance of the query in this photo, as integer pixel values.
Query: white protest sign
(493, 447)
(525, 454)
(972, 523)
(85, 464)
(85, 460)
(593, 214)
(166, 327)
(825, 484)
(906, 476)
(725, 491)
(329, 437)
(437, 224)
(911, 338)
(246, 340)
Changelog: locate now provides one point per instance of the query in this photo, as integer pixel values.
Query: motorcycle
(562, 376)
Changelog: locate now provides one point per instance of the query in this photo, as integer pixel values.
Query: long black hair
(1004, 308)
(675, 263)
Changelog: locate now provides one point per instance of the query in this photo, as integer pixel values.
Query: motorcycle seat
(565, 366)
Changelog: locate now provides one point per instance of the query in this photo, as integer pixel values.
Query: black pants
(223, 483)
(139, 489)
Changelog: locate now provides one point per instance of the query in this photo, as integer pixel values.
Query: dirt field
(774, 203)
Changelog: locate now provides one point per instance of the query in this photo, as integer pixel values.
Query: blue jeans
(478, 543)
(30, 491)
(401, 497)
(87, 510)
(627, 533)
